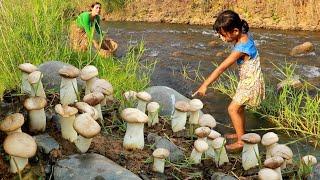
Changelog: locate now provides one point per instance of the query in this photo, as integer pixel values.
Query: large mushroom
(26, 69)
(179, 117)
(275, 164)
(200, 146)
(68, 87)
(143, 98)
(86, 108)
(269, 140)
(12, 123)
(67, 117)
(87, 128)
(153, 113)
(250, 152)
(134, 137)
(202, 132)
(195, 106)
(212, 136)
(34, 79)
(159, 157)
(206, 120)
(89, 74)
(283, 151)
(103, 86)
(94, 99)
(20, 146)
(35, 106)
(268, 174)
(221, 156)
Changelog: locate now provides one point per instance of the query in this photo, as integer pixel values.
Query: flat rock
(90, 166)
(46, 143)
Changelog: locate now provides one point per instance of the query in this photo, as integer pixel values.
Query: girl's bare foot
(231, 136)
(235, 147)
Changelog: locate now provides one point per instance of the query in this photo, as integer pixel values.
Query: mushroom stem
(17, 163)
(25, 85)
(17, 130)
(67, 129)
(83, 143)
(278, 170)
(195, 156)
(142, 105)
(268, 150)
(250, 156)
(221, 156)
(37, 120)
(98, 108)
(210, 152)
(68, 90)
(134, 138)
(178, 121)
(158, 165)
(37, 89)
(89, 84)
(194, 117)
(153, 118)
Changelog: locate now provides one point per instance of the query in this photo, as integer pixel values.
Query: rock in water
(302, 48)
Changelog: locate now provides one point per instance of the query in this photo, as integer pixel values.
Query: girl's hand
(201, 91)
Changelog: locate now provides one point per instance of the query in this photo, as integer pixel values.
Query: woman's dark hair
(92, 5)
(228, 20)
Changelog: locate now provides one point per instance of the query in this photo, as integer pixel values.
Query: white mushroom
(67, 117)
(20, 146)
(202, 132)
(143, 98)
(130, 95)
(94, 99)
(275, 164)
(250, 152)
(89, 74)
(179, 117)
(34, 79)
(206, 120)
(269, 140)
(195, 106)
(103, 86)
(200, 146)
(87, 128)
(12, 123)
(283, 151)
(35, 106)
(221, 156)
(268, 174)
(86, 108)
(159, 156)
(68, 87)
(212, 136)
(134, 137)
(309, 160)
(26, 69)
(153, 113)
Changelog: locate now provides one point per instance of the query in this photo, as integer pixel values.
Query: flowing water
(180, 49)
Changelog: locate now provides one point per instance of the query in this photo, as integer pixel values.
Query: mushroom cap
(130, 95)
(269, 138)
(182, 106)
(268, 174)
(218, 142)
(251, 138)
(273, 162)
(93, 98)
(144, 96)
(283, 151)
(35, 103)
(153, 107)
(133, 115)
(213, 135)
(86, 108)
(207, 120)
(201, 145)
(27, 67)
(35, 77)
(309, 160)
(20, 144)
(65, 110)
(103, 86)
(161, 153)
(12, 122)
(88, 72)
(195, 105)
(202, 132)
(69, 72)
(86, 126)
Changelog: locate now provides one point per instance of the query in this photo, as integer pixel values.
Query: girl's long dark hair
(228, 20)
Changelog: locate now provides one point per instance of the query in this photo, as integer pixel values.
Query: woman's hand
(201, 91)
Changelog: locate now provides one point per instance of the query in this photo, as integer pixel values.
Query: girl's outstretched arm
(232, 58)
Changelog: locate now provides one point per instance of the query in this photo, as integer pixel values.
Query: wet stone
(46, 143)
(90, 166)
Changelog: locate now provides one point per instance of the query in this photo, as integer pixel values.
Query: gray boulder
(46, 143)
(51, 78)
(90, 166)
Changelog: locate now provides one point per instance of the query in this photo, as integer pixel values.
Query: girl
(250, 90)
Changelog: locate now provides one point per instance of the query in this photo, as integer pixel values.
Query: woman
(82, 31)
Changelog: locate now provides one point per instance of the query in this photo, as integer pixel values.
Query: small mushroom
(89, 74)
(34, 79)
(309, 160)
(283, 151)
(26, 69)
(68, 115)
(195, 106)
(250, 152)
(130, 95)
(68, 87)
(153, 113)
(202, 132)
(212, 136)
(20, 146)
(269, 140)
(86, 108)
(103, 86)
(275, 164)
(159, 156)
(35, 106)
(221, 156)
(200, 146)
(268, 174)
(179, 118)
(206, 120)
(143, 98)
(94, 99)
(12, 123)
(134, 137)
(87, 128)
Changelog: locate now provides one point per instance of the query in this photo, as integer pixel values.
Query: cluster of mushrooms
(78, 124)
